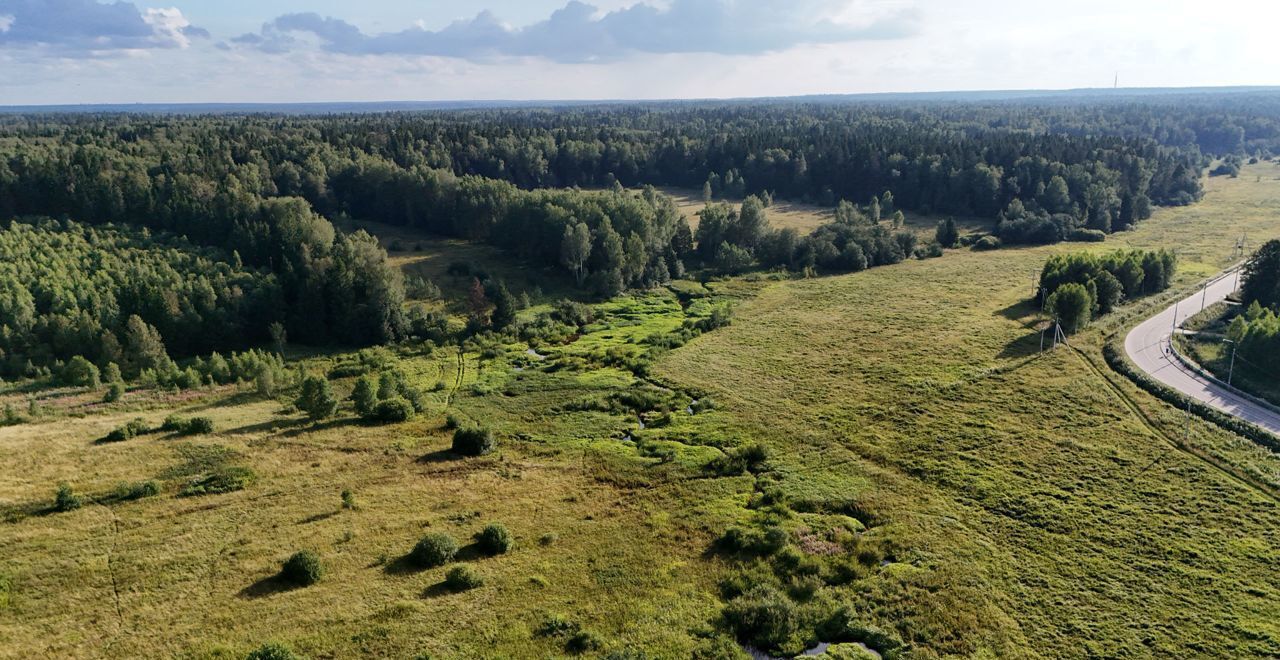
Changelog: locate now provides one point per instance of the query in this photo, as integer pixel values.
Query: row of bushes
(172, 424)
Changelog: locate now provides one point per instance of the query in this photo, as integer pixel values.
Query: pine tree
(365, 397)
(317, 398)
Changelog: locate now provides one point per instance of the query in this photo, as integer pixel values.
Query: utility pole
(1186, 435)
(1232, 369)
(1204, 295)
(1174, 330)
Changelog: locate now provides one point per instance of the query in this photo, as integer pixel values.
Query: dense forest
(550, 186)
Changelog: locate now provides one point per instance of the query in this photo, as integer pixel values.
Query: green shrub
(463, 578)
(555, 625)
(115, 391)
(740, 460)
(394, 409)
(349, 500)
(473, 441)
(762, 617)
(199, 426)
(225, 479)
(137, 491)
(183, 426)
(494, 539)
(129, 431)
(80, 372)
(987, 243)
(66, 499)
(1086, 235)
(582, 641)
(435, 549)
(303, 568)
(548, 539)
(272, 651)
(316, 398)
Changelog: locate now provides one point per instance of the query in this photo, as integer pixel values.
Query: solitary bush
(199, 425)
(763, 617)
(749, 458)
(394, 409)
(115, 390)
(303, 568)
(137, 491)
(435, 549)
(272, 651)
(463, 578)
(66, 499)
(582, 641)
(473, 441)
(349, 500)
(223, 480)
(987, 243)
(494, 539)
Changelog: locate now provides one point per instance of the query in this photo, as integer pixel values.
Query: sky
(279, 51)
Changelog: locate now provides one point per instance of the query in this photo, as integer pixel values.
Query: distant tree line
(1076, 288)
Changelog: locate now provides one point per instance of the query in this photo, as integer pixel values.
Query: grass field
(1044, 506)
(1005, 503)
(804, 218)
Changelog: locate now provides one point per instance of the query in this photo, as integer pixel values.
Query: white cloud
(579, 32)
(87, 28)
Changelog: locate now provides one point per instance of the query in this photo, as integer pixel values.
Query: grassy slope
(1042, 516)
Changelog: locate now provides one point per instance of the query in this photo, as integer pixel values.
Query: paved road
(1147, 346)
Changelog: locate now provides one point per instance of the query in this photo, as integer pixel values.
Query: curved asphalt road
(1147, 343)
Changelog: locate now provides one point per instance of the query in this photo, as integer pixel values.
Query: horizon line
(1005, 93)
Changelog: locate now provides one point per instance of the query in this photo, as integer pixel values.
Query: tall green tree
(575, 249)
(947, 235)
(1072, 305)
(316, 398)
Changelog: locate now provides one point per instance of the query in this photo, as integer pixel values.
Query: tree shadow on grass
(267, 586)
(318, 517)
(1018, 311)
(267, 426)
(402, 565)
(1024, 346)
(437, 590)
(440, 456)
(303, 427)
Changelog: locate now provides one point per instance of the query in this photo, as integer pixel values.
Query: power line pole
(1204, 295)
(1232, 369)
(1186, 435)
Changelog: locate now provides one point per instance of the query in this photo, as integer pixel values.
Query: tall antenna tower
(1116, 84)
